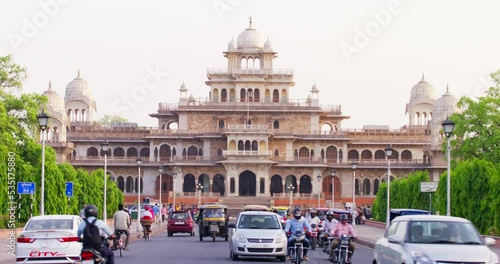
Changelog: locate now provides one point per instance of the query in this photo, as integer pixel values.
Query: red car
(180, 222)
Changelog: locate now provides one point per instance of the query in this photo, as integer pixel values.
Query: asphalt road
(186, 249)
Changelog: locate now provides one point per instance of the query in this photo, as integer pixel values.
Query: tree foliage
(21, 159)
(108, 120)
(477, 127)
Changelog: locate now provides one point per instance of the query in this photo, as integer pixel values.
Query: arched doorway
(218, 185)
(189, 184)
(276, 184)
(247, 184)
(305, 184)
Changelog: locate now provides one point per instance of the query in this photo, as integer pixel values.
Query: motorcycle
(340, 254)
(92, 256)
(298, 247)
(314, 236)
(327, 243)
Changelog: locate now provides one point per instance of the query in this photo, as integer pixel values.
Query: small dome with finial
(183, 88)
(54, 101)
(269, 44)
(446, 104)
(231, 45)
(314, 89)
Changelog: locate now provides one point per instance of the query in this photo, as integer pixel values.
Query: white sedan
(258, 234)
(49, 239)
(429, 239)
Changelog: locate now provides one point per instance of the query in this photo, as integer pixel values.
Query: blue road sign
(25, 187)
(69, 189)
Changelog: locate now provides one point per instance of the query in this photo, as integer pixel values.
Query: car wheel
(227, 237)
(281, 258)
(170, 234)
(234, 257)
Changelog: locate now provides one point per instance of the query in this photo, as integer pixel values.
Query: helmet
(343, 217)
(329, 213)
(297, 213)
(313, 211)
(90, 210)
(275, 211)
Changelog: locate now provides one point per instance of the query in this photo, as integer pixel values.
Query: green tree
(108, 120)
(477, 127)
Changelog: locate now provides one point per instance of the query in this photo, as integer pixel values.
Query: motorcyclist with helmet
(328, 224)
(91, 214)
(294, 224)
(313, 219)
(339, 229)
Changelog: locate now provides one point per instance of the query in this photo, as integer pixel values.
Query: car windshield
(258, 222)
(443, 232)
(282, 213)
(213, 212)
(180, 216)
(49, 224)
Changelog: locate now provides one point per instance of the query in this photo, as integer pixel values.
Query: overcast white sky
(115, 44)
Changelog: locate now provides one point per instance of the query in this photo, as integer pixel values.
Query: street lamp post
(333, 172)
(139, 163)
(105, 149)
(173, 185)
(43, 120)
(291, 188)
(199, 187)
(354, 165)
(388, 154)
(448, 127)
(160, 170)
(319, 181)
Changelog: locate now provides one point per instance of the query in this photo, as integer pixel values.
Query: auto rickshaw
(213, 221)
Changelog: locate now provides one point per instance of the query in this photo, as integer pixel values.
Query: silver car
(431, 239)
(49, 239)
(258, 233)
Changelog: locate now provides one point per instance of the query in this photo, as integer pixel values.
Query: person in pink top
(339, 229)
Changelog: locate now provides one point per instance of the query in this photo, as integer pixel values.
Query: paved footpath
(5, 258)
(369, 234)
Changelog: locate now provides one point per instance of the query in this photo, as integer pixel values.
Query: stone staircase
(236, 204)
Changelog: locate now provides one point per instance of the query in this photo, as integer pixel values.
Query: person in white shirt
(122, 223)
(328, 224)
(313, 219)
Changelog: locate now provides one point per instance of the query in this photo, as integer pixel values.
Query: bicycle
(120, 234)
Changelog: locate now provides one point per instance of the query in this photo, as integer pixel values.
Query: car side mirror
(394, 239)
(490, 242)
(232, 225)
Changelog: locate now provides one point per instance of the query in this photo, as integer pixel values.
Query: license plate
(259, 246)
(214, 228)
(87, 261)
(179, 223)
(314, 234)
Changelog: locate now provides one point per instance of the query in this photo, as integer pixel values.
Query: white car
(258, 233)
(49, 239)
(429, 239)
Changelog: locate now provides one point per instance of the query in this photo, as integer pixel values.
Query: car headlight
(241, 238)
(279, 238)
(493, 258)
(420, 258)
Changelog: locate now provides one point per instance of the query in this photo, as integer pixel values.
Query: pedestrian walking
(163, 213)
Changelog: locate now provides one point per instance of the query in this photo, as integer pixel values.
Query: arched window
(276, 153)
(221, 124)
(189, 184)
(132, 152)
(243, 95)
(219, 152)
(256, 95)
(255, 145)
(356, 187)
(366, 187)
(366, 155)
(142, 185)
(305, 184)
(262, 185)
(276, 124)
(375, 187)
(232, 186)
(406, 155)
(223, 95)
(352, 155)
(276, 96)
(331, 154)
(144, 152)
(241, 145)
(247, 145)
(379, 155)
(92, 152)
(121, 183)
(129, 184)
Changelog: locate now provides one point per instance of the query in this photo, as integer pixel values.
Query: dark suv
(180, 222)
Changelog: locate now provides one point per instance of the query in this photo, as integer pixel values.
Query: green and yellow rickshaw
(212, 221)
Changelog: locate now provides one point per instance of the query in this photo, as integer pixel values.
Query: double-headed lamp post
(199, 187)
(319, 181)
(105, 149)
(139, 163)
(160, 170)
(388, 154)
(448, 127)
(333, 172)
(43, 120)
(354, 165)
(291, 188)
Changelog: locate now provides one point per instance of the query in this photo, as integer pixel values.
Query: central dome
(250, 38)
(78, 88)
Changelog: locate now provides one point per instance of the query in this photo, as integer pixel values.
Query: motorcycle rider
(91, 214)
(339, 229)
(313, 219)
(294, 224)
(328, 224)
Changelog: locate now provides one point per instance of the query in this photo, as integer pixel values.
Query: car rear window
(49, 224)
(179, 216)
